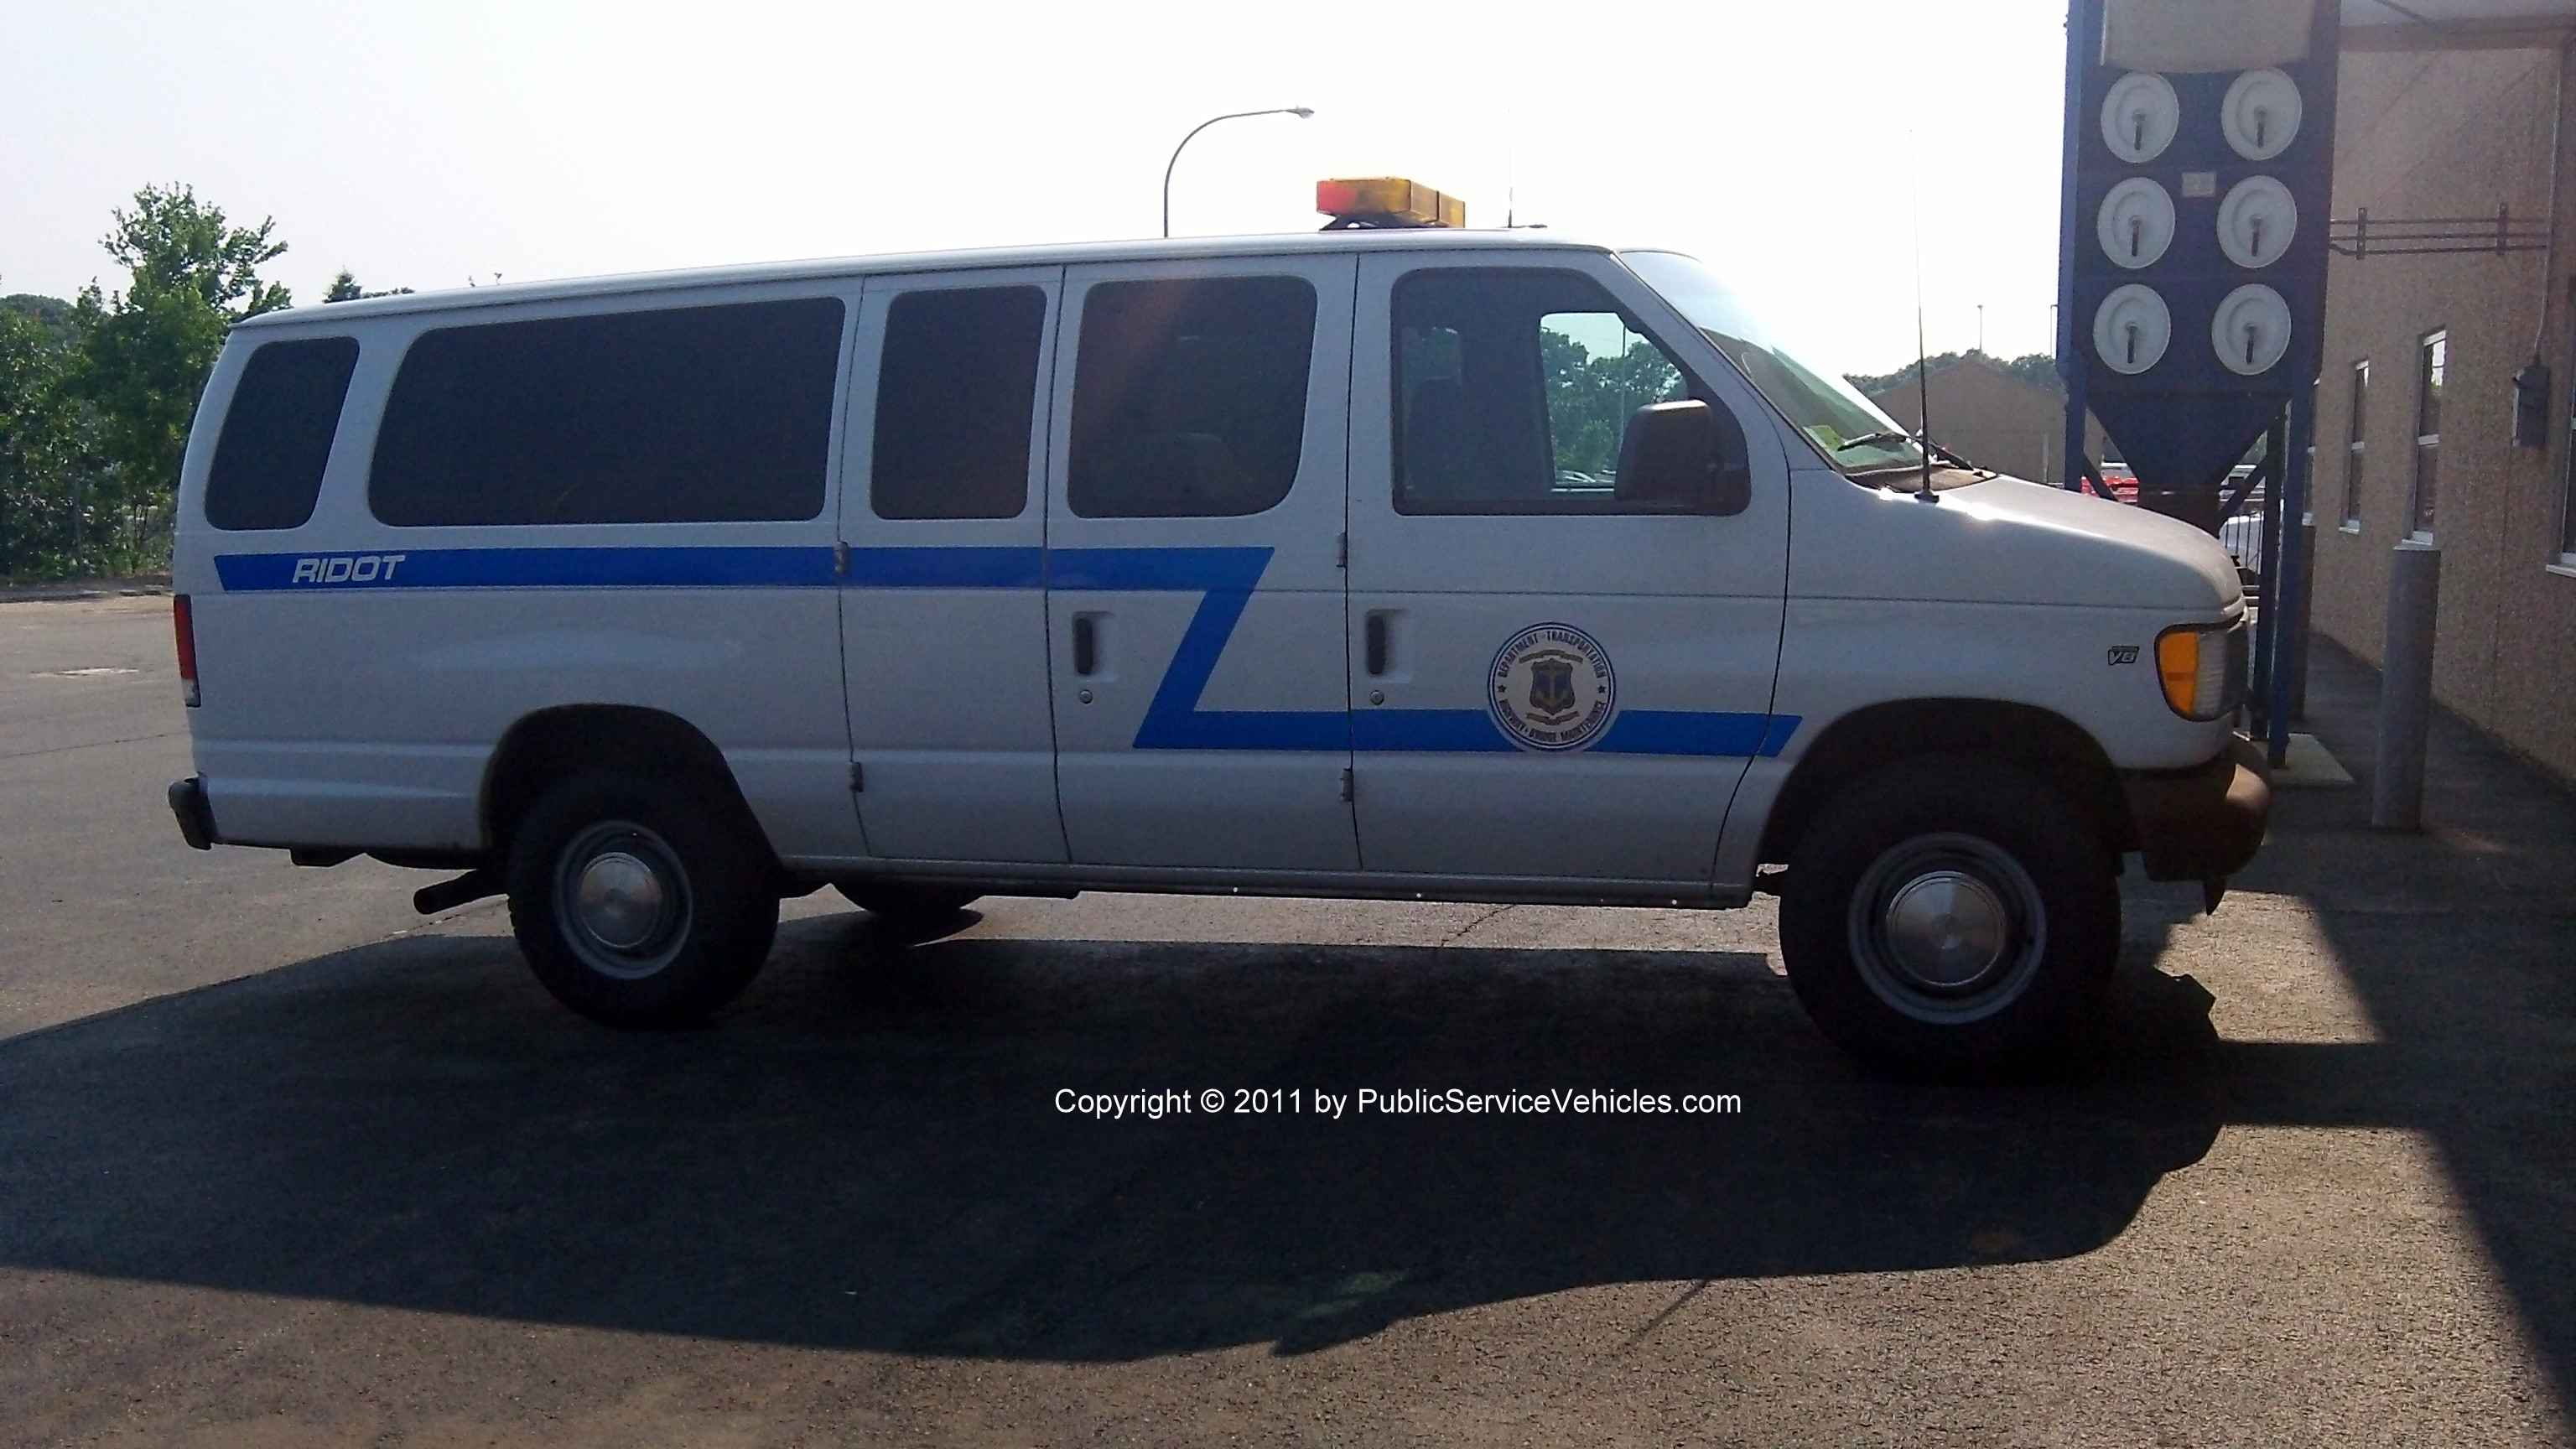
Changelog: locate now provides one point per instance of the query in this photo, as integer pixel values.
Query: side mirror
(1686, 456)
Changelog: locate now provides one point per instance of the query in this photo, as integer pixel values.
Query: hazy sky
(421, 144)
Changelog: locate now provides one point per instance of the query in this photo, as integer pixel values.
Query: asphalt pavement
(281, 1163)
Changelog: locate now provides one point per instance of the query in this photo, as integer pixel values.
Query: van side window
(955, 394)
(277, 435)
(1189, 397)
(1513, 388)
(683, 415)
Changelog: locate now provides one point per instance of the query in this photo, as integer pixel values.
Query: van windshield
(1845, 426)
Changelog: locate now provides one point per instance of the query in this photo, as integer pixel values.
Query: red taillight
(185, 618)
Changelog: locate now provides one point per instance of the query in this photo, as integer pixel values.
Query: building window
(2308, 464)
(2432, 356)
(2567, 503)
(2567, 522)
(2355, 444)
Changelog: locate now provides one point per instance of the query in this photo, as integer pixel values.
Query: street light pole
(1300, 112)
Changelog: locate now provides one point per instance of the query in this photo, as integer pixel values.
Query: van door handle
(1086, 645)
(1376, 643)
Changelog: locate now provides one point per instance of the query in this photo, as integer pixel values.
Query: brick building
(2449, 182)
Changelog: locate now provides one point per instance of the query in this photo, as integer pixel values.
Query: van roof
(1062, 254)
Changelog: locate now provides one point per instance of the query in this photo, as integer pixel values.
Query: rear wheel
(907, 905)
(636, 903)
(1950, 916)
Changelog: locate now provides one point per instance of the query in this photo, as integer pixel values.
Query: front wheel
(1948, 916)
(636, 903)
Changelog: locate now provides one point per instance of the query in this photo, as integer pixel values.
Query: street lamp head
(1300, 112)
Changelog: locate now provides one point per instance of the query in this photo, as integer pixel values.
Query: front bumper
(2203, 823)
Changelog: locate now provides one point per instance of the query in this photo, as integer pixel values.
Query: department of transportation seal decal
(1551, 688)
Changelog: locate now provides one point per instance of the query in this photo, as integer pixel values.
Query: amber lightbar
(1387, 201)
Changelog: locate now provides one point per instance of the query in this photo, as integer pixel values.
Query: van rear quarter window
(1189, 397)
(955, 395)
(681, 415)
(277, 434)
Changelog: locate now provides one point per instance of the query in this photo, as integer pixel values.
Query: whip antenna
(1922, 355)
(1922, 386)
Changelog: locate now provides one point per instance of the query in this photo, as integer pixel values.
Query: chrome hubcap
(619, 900)
(1947, 928)
(622, 900)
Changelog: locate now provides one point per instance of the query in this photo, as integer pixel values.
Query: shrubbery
(96, 394)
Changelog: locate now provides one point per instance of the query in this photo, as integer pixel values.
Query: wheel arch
(549, 744)
(2047, 744)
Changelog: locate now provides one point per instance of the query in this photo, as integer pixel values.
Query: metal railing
(2362, 235)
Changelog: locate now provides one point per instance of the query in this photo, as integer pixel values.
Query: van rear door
(943, 614)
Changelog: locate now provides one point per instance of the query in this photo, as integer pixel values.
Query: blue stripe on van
(1691, 732)
(946, 568)
(1635, 732)
(1158, 570)
(1225, 578)
(716, 567)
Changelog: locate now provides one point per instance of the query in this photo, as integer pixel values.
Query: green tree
(345, 288)
(2039, 369)
(29, 367)
(48, 459)
(53, 312)
(1590, 398)
(145, 351)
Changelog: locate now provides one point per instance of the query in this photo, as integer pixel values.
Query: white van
(1426, 564)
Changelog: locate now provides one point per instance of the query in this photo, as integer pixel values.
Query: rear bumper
(2203, 823)
(196, 821)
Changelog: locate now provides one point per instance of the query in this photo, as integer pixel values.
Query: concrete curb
(72, 590)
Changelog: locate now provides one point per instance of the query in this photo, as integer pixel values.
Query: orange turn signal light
(2201, 669)
(2178, 665)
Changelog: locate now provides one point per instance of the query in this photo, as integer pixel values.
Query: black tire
(2013, 906)
(682, 907)
(907, 905)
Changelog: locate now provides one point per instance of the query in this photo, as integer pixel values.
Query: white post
(2406, 685)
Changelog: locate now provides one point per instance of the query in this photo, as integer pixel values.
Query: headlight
(2202, 668)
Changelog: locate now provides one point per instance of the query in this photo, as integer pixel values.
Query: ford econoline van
(1419, 564)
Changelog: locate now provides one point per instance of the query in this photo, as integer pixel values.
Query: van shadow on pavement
(866, 1152)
